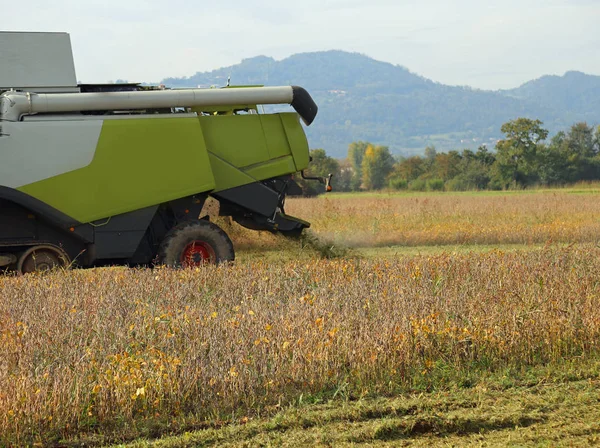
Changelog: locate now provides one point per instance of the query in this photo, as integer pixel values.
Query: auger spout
(14, 104)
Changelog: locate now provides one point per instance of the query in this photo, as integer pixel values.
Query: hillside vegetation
(364, 99)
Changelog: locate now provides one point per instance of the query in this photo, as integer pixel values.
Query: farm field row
(453, 218)
(541, 406)
(374, 225)
(367, 307)
(117, 351)
(307, 251)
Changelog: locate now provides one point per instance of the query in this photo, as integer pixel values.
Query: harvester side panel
(227, 175)
(283, 165)
(33, 152)
(260, 147)
(21, 229)
(238, 139)
(297, 138)
(275, 136)
(15, 223)
(137, 163)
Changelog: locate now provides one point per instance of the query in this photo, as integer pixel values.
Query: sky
(489, 44)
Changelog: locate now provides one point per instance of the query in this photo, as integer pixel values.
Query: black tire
(195, 243)
(42, 258)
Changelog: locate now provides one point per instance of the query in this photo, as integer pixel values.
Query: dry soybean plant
(99, 350)
(453, 218)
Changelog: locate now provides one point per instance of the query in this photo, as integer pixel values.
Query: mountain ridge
(361, 98)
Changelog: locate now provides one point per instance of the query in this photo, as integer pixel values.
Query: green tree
(581, 150)
(553, 162)
(343, 180)
(377, 164)
(516, 153)
(356, 153)
(484, 156)
(448, 165)
(581, 140)
(474, 170)
(430, 153)
(409, 169)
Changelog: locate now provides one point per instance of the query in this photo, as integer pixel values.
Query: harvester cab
(97, 174)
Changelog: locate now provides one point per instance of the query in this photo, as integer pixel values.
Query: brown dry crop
(99, 350)
(453, 218)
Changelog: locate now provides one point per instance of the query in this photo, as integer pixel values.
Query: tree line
(521, 159)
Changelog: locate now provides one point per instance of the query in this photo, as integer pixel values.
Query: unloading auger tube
(15, 104)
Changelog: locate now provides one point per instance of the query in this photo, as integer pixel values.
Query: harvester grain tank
(96, 174)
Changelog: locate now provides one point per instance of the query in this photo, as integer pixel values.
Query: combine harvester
(96, 175)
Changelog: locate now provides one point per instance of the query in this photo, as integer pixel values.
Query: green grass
(543, 406)
(275, 255)
(592, 188)
(296, 251)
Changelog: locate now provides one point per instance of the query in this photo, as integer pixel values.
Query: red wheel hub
(197, 253)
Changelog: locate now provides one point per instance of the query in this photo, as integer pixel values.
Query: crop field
(425, 319)
(418, 222)
(447, 219)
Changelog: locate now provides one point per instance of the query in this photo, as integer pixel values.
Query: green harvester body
(106, 174)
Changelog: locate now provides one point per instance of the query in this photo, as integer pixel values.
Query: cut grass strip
(555, 405)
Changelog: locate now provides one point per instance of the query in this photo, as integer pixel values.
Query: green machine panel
(137, 163)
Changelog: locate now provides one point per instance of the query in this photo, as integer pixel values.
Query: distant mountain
(572, 97)
(360, 98)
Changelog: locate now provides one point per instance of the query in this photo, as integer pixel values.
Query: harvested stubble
(453, 218)
(99, 350)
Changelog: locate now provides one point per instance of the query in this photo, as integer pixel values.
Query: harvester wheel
(42, 258)
(195, 243)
